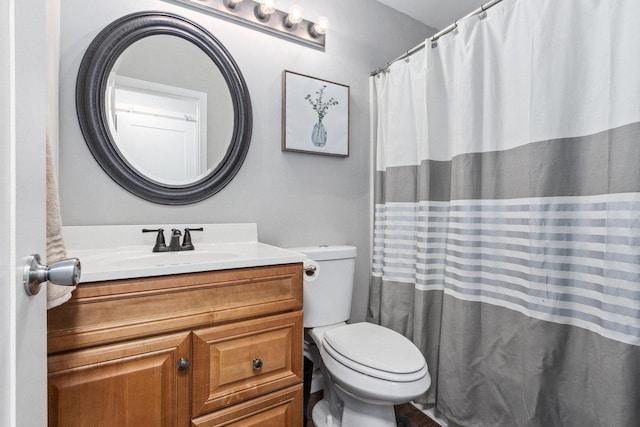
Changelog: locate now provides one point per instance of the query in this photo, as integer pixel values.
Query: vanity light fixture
(264, 15)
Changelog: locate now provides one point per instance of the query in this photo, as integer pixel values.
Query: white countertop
(122, 252)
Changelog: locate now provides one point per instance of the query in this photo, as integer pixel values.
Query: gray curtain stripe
(400, 246)
(549, 250)
(403, 180)
(536, 372)
(543, 265)
(533, 279)
(548, 280)
(526, 249)
(562, 167)
(538, 293)
(576, 260)
(548, 265)
(560, 237)
(411, 208)
(556, 311)
(437, 279)
(545, 222)
(538, 206)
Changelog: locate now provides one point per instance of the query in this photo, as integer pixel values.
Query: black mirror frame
(91, 86)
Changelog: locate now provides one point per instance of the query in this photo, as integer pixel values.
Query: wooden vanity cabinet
(221, 348)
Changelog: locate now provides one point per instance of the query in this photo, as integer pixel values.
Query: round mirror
(163, 108)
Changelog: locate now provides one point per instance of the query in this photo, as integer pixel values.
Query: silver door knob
(64, 273)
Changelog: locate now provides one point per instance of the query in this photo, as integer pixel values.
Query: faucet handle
(186, 242)
(160, 245)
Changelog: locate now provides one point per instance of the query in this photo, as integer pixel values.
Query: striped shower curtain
(507, 213)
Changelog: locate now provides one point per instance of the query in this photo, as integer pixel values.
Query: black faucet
(175, 244)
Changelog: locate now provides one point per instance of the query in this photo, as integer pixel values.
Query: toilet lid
(375, 350)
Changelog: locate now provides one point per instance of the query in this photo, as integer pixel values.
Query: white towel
(56, 250)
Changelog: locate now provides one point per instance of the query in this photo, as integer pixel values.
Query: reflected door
(161, 130)
(162, 148)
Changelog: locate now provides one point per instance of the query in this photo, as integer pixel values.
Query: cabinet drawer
(111, 311)
(226, 366)
(279, 409)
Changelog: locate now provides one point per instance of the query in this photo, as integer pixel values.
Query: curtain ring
(483, 13)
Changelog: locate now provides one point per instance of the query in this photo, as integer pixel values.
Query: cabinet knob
(183, 364)
(257, 364)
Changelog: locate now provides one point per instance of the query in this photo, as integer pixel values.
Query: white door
(23, 369)
(163, 148)
(160, 129)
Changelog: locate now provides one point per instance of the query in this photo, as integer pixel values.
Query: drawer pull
(257, 364)
(183, 364)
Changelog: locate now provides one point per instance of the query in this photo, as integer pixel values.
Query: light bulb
(319, 27)
(267, 7)
(264, 9)
(295, 16)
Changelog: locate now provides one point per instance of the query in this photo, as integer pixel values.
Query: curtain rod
(434, 39)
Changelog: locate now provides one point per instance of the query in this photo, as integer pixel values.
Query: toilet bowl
(367, 368)
(371, 368)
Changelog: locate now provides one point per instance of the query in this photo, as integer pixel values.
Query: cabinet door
(135, 383)
(243, 360)
(282, 408)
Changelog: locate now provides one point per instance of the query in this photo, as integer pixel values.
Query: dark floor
(406, 411)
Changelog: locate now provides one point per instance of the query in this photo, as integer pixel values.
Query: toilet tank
(327, 296)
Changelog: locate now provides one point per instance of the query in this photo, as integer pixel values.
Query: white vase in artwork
(319, 135)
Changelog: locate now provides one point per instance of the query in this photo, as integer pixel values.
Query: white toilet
(368, 368)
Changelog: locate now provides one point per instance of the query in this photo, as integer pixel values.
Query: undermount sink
(123, 252)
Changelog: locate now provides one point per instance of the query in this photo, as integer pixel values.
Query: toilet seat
(375, 351)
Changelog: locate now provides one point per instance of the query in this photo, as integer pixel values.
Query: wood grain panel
(279, 409)
(132, 384)
(223, 357)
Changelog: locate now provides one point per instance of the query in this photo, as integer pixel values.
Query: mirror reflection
(169, 110)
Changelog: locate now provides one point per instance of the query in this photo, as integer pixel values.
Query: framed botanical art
(315, 115)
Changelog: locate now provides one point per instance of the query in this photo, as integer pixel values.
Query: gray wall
(296, 199)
